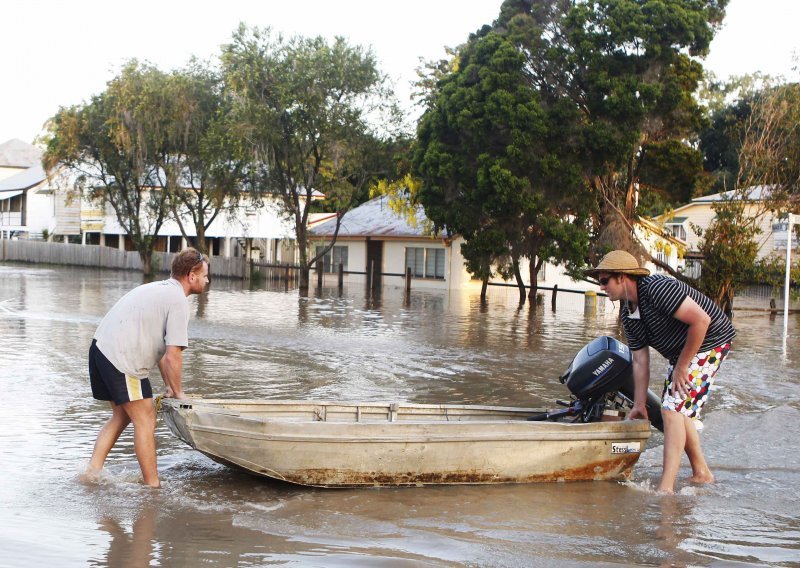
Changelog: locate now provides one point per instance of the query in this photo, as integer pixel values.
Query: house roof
(18, 154)
(755, 193)
(25, 179)
(676, 221)
(373, 219)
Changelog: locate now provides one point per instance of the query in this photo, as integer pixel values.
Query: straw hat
(619, 261)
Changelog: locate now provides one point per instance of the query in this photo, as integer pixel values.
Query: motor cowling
(602, 366)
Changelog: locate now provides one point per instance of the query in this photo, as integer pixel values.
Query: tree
(768, 158)
(620, 74)
(205, 169)
(113, 144)
(485, 169)
(729, 107)
(310, 116)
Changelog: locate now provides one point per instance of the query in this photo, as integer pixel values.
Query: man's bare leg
(108, 436)
(143, 415)
(674, 444)
(701, 473)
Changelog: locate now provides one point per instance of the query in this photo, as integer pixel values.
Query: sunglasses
(604, 281)
(200, 258)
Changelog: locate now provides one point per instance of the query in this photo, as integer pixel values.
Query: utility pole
(788, 273)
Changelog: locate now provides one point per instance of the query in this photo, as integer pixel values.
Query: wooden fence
(104, 257)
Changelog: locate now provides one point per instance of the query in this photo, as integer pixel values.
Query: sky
(57, 53)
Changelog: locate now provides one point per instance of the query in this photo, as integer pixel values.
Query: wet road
(434, 349)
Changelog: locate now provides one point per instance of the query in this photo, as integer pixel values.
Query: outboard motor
(600, 379)
(604, 365)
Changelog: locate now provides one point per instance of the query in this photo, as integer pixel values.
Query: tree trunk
(520, 283)
(201, 239)
(304, 277)
(147, 262)
(484, 287)
(533, 274)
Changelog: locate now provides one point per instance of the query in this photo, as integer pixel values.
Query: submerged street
(433, 348)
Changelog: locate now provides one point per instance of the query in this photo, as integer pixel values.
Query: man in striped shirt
(690, 331)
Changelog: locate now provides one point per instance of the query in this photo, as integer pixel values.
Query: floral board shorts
(702, 369)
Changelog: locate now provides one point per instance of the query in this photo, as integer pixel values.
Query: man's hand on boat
(172, 394)
(639, 410)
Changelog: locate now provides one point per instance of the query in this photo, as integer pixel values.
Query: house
(30, 205)
(264, 228)
(374, 238)
(373, 235)
(683, 222)
(661, 243)
(33, 206)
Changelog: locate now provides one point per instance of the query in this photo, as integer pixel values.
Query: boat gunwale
(601, 429)
(220, 403)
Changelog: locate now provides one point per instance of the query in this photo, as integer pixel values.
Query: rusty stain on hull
(618, 469)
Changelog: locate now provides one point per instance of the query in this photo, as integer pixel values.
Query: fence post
(553, 298)
(369, 274)
(319, 273)
(590, 302)
(341, 277)
(286, 278)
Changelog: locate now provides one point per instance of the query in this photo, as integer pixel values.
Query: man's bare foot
(90, 475)
(702, 478)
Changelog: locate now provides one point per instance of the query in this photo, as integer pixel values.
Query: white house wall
(456, 275)
(248, 222)
(702, 215)
(41, 212)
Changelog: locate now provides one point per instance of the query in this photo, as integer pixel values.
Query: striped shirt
(659, 298)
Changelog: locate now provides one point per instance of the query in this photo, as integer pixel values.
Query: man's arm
(641, 382)
(171, 367)
(690, 313)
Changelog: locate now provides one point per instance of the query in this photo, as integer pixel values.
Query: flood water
(435, 348)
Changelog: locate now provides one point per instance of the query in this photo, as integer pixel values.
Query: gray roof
(755, 193)
(19, 154)
(34, 175)
(373, 219)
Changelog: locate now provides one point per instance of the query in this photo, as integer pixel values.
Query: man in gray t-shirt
(146, 327)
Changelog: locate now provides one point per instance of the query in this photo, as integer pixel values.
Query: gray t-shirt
(135, 333)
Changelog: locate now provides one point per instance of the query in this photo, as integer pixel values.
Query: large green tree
(486, 170)
(310, 115)
(621, 75)
(112, 145)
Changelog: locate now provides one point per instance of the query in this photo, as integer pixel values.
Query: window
(678, 231)
(332, 259)
(425, 262)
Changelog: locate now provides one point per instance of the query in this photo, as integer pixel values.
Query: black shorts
(109, 384)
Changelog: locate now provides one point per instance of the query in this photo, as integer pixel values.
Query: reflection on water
(427, 347)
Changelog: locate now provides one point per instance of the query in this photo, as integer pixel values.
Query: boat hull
(335, 444)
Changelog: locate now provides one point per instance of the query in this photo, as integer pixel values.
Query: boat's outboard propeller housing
(604, 365)
(600, 379)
